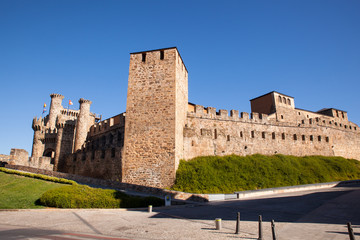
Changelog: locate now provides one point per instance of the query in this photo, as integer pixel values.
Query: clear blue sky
(233, 50)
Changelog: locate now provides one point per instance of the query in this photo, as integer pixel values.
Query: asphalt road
(320, 214)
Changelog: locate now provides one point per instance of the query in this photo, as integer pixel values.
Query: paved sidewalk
(314, 215)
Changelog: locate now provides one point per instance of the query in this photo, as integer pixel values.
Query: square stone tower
(156, 111)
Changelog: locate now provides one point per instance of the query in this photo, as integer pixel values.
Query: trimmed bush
(82, 196)
(227, 174)
(38, 176)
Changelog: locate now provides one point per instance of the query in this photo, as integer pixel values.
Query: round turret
(55, 107)
(83, 123)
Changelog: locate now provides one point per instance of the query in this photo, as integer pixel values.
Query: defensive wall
(144, 145)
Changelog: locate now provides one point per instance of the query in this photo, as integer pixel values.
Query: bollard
(351, 232)
(237, 231)
(218, 223)
(150, 209)
(273, 229)
(260, 228)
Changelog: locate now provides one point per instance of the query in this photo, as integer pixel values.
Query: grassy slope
(214, 174)
(22, 192)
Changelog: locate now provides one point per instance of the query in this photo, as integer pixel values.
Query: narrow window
(310, 121)
(299, 113)
(289, 102)
(327, 139)
(284, 99)
(215, 133)
(263, 135)
(335, 123)
(192, 143)
(345, 126)
(319, 138)
(241, 134)
(252, 134)
(303, 137)
(337, 113)
(311, 138)
(303, 121)
(162, 55)
(282, 117)
(143, 57)
(273, 135)
(280, 100)
(342, 115)
(340, 125)
(228, 138)
(295, 137)
(113, 152)
(350, 127)
(283, 136)
(354, 128)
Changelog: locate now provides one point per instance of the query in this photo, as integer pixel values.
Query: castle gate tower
(38, 146)
(156, 111)
(55, 107)
(83, 123)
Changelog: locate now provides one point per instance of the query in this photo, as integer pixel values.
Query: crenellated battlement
(107, 124)
(82, 100)
(56, 95)
(233, 115)
(199, 111)
(38, 123)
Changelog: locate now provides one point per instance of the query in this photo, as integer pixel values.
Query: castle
(145, 144)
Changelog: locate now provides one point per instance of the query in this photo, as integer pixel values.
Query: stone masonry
(144, 145)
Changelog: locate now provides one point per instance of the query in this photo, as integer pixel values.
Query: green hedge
(214, 174)
(38, 176)
(82, 196)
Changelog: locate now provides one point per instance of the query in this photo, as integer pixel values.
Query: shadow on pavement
(335, 206)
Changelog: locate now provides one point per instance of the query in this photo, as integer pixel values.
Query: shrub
(214, 174)
(38, 176)
(82, 196)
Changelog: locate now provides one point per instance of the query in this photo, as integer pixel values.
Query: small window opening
(143, 57)
(310, 121)
(284, 99)
(215, 134)
(192, 143)
(350, 127)
(282, 117)
(311, 138)
(303, 137)
(295, 137)
(327, 139)
(283, 136)
(340, 125)
(228, 138)
(336, 124)
(354, 128)
(303, 121)
(263, 135)
(113, 152)
(162, 55)
(319, 138)
(252, 134)
(345, 126)
(289, 102)
(342, 115)
(273, 135)
(241, 134)
(299, 113)
(280, 99)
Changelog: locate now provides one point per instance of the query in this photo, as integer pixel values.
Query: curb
(269, 191)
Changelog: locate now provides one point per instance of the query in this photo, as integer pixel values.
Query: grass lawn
(22, 192)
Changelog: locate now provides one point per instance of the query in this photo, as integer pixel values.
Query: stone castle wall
(155, 116)
(144, 145)
(101, 155)
(208, 132)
